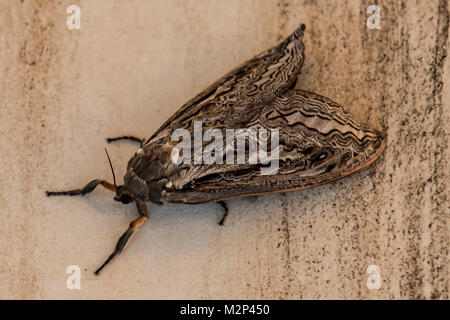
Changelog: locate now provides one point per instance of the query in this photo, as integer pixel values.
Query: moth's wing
(259, 80)
(318, 143)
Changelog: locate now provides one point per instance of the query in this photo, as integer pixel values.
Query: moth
(318, 142)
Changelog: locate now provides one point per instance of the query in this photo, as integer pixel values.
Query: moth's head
(122, 195)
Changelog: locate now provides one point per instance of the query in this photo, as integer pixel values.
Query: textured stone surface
(133, 64)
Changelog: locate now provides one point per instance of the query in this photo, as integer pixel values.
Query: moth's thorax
(145, 178)
(136, 186)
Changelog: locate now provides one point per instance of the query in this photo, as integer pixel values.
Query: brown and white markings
(318, 141)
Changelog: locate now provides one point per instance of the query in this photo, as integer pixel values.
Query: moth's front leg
(87, 189)
(130, 138)
(124, 238)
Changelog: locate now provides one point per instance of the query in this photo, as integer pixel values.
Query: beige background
(133, 64)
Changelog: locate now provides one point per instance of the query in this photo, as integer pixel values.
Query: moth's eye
(125, 199)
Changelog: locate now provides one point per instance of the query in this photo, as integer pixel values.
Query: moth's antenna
(110, 164)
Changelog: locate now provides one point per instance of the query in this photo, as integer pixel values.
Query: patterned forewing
(319, 143)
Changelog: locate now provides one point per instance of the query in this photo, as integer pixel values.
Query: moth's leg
(123, 240)
(130, 138)
(225, 215)
(87, 189)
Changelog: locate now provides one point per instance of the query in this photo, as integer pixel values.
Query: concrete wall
(132, 64)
